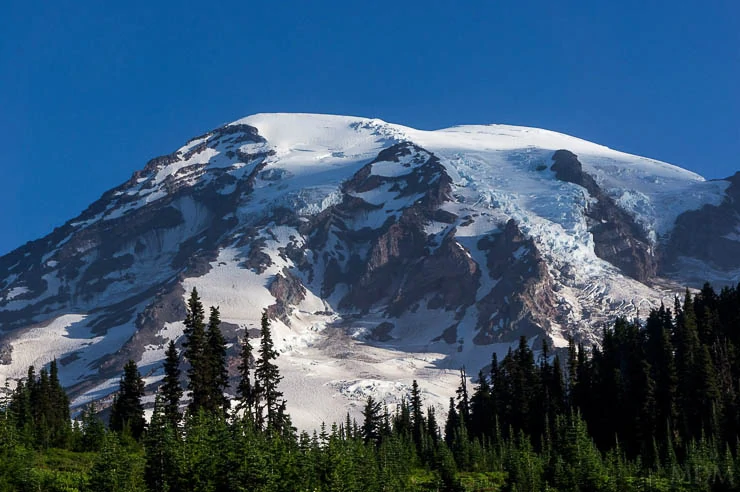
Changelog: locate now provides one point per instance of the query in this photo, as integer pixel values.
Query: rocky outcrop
(6, 353)
(710, 234)
(288, 292)
(448, 279)
(522, 301)
(382, 332)
(618, 239)
(392, 264)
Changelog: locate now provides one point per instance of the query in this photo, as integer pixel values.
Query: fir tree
(195, 353)
(417, 414)
(267, 377)
(371, 421)
(171, 390)
(215, 359)
(162, 469)
(245, 390)
(452, 423)
(127, 411)
(463, 399)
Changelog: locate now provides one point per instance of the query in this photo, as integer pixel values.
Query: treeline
(654, 406)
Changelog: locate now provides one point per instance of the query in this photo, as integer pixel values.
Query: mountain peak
(382, 253)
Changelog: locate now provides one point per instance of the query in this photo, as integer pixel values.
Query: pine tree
(60, 417)
(463, 399)
(171, 390)
(556, 390)
(481, 409)
(432, 427)
(371, 421)
(417, 414)
(162, 469)
(660, 353)
(572, 372)
(93, 429)
(452, 423)
(267, 377)
(195, 350)
(127, 411)
(215, 356)
(245, 390)
(42, 409)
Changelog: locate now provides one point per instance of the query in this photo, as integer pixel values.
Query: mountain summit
(382, 254)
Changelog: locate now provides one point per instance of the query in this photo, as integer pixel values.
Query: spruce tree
(162, 469)
(267, 377)
(452, 423)
(93, 429)
(481, 409)
(215, 357)
(127, 411)
(60, 417)
(171, 390)
(417, 414)
(371, 421)
(195, 353)
(463, 399)
(245, 390)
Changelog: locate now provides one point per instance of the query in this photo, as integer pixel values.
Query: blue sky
(90, 91)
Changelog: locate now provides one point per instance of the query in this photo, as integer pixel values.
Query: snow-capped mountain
(382, 253)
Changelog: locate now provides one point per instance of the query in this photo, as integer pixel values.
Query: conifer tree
(245, 390)
(215, 358)
(60, 417)
(452, 423)
(660, 353)
(371, 421)
(481, 409)
(171, 390)
(127, 411)
(162, 468)
(267, 377)
(93, 429)
(432, 426)
(463, 399)
(195, 350)
(417, 414)
(572, 371)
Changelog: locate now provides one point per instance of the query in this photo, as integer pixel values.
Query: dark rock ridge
(710, 234)
(95, 252)
(122, 260)
(394, 264)
(397, 266)
(522, 302)
(6, 353)
(288, 292)
(618, 239)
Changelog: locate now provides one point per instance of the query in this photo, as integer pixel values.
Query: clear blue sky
(89, 91)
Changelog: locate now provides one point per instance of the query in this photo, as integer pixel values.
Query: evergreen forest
(654, 406)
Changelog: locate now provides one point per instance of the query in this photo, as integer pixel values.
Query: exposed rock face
(522, 301)
(6, 353)
(710, 234)
(288, 291)
(618, 239)
(381, 333)
(394, 264)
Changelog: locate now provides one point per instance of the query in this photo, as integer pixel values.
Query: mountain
(381, 252)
